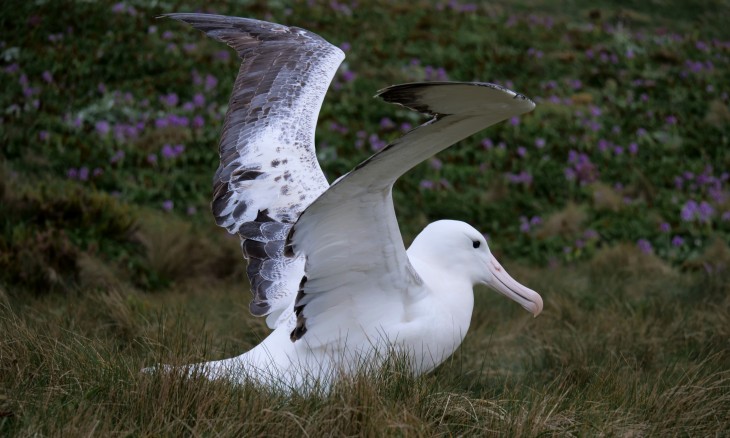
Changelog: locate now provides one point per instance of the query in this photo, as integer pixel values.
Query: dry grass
(607, 357)
(174, 250)
(567, 222)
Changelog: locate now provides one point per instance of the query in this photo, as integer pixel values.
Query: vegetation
(611, 199)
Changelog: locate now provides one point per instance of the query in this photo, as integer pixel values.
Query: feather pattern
(268, 172)
(350, 234)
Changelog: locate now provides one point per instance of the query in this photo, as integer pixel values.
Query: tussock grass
(175, 250)
(605, 358)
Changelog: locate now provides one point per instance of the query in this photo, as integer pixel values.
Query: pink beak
(503, 283)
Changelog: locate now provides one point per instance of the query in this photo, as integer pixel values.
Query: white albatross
(327, 263)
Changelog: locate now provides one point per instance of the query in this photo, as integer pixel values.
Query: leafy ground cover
(613, 194)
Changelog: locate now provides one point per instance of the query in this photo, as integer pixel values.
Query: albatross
(327, 264)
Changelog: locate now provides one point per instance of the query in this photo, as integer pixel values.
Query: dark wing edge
(459, 110)
(268, 172)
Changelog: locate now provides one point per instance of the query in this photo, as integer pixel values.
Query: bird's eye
(476, 244)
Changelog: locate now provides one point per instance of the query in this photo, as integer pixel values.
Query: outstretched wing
(268, 171)
(356, 263)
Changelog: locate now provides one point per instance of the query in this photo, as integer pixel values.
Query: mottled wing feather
(268, 162)
(356, 264)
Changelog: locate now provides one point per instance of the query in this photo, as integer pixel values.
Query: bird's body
(327, 264)
(427, 325)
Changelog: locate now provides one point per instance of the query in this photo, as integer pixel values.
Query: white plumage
(327, 263)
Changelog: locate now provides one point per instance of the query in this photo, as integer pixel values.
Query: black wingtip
(408, 95)
(444, 98)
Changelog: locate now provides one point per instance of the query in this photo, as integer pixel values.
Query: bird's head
(463, 250)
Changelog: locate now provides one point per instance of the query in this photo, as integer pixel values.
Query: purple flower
(345, 46)
(223, 55)
(664, 227)
(689, 210)
(590, 234)
(671, 120)
(436, 164)
(376, 143)
(12, 68)
(43, 135)
(101, 88)
(170, 99)
(83, 173)
(539, 143)
(603, 144)
(72, 173)
(168, 205)
(179, 149)
(677, 241)
(427, 184)
(705, 212)
(386, 123)
(537, 54)
(47, 76)
(102, 127)
(644, 246)
(197, 79)
(210, 82)
(487, 143)
(405, 127)
(162, 122)
(199, 100)
(725, 216)
(167, 35)
(175, 120)
(348, 76)
(152, 158)
(581, 168)
(118, 156)
(514, 121)
(633, 148)
(198, 121)
(520, 178)
(524, 224)
(191, 210)
(167, 151)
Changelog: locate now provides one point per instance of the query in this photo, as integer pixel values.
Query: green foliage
(103, 94)
(46, 226)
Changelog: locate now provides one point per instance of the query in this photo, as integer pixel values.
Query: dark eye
(476, 244)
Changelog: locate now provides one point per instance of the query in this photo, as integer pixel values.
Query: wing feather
(268, 172)
(351, 229)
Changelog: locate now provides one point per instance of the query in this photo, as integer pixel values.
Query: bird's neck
(452, 293)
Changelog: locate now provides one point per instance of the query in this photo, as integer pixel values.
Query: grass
(611, 199)
(624, 352)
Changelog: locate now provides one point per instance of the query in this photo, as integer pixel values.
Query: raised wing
(356, 261)
(268, 171)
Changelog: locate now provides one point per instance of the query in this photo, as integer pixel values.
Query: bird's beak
(503, 283)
